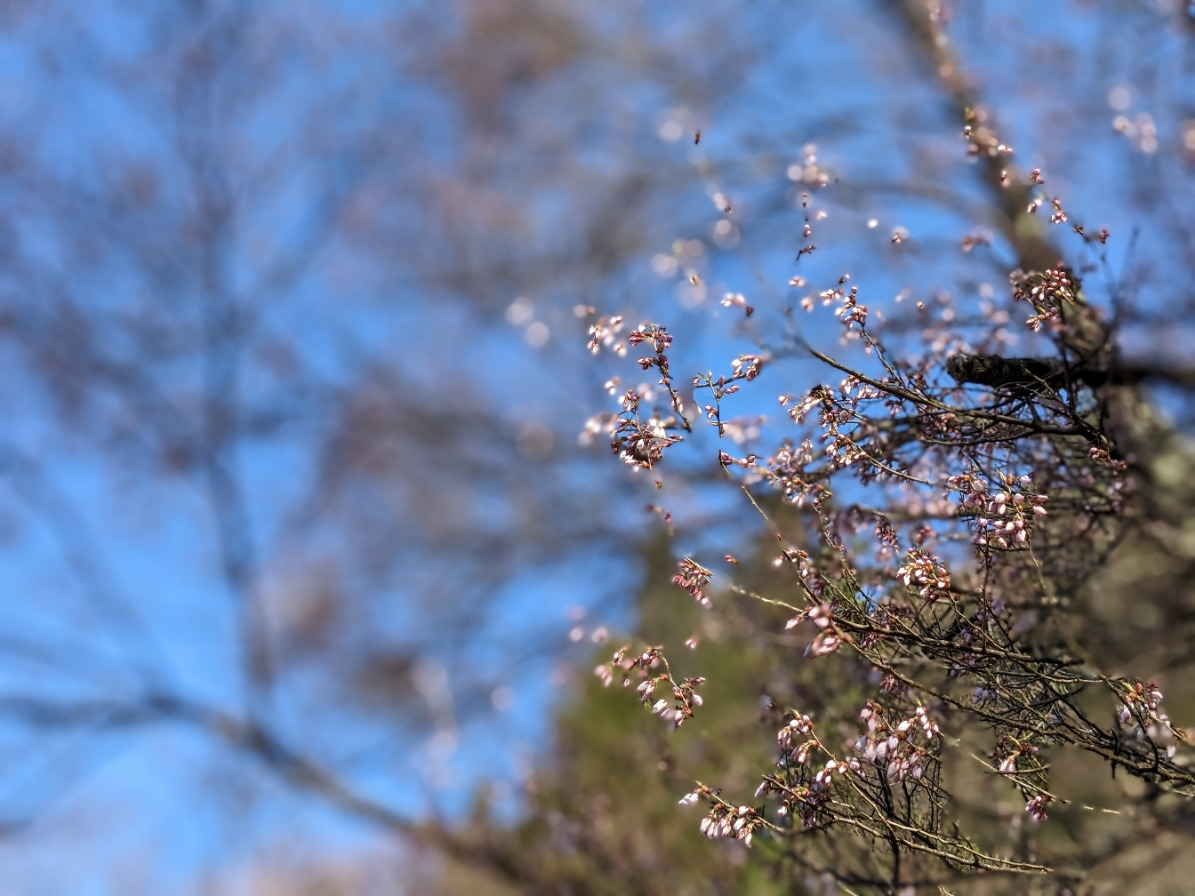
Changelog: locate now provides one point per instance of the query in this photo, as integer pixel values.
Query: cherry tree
(941, 512)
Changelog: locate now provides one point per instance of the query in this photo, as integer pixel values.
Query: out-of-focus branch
(200, 135)
(114, 611)
(251, 737)
(1010, 191)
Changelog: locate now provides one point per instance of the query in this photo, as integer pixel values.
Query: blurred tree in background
(289, 311)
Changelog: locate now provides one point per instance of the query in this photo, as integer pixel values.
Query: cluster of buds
(797, 740)
(825, 776)
(839, 412)
(693, 577)
(651, 658)
(810, 801)
(1141, 712)
(683, 697)
(794, 750)
(813, 580)
(816, 397)
(807, 802)
(981, 139)
(605, 334)
(894, 687)
(926, 574)
(894, 747)
(679, 705)
(638, 437)
(639, 442)
(747, 367)
(744, 367)
(1003, 517)
(1102, 456)
(658, 338)
(737, 300)
(828, 638)
(886, 539)
(850, 311)
(1018, 760)
(729, 460)
(842, 450)
(1036, 807)
(785, 472)
(724, 820)
(1047, 291)
(1008, 764)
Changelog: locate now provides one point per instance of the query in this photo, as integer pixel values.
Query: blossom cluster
(797, 740)
(796, 752)
(659, 340)
(747, 367)
(649, 659)
(1002, 516)
(741, 430)
(839, 416)
(1047, 291)
(1008, 764)
(724, 820)
(606, 333)
(828, 638)
(679, 698)
(1036, 807)
(895, 747)
(693, 577)
(809, 802)
(811, 578)
(657, 337)
(797, 412)
(638, 436)
(1018, 760)
(737, 300)
(980, 136)
(927, 574)
(740, 823)
(817, 795)
(785, 472)
(850, 311)
(1141, 713)
(640, 442)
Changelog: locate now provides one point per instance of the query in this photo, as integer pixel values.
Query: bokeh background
(302, 556)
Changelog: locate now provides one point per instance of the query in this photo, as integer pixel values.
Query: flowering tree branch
(948, 625)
